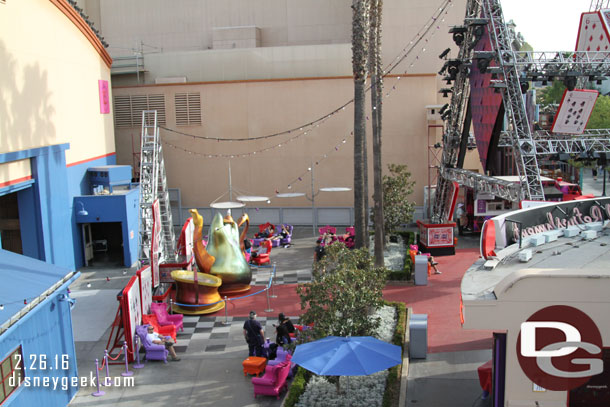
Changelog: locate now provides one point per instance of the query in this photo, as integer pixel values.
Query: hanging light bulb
(88, 285)
(1, 307)
(268, 201)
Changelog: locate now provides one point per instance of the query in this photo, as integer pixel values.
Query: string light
(420, 36)
(389, 68)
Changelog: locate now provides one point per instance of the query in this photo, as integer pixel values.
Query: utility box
(106, 177)
(418, 336)
(421, 270)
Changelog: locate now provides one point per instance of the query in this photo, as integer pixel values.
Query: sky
(547, 25)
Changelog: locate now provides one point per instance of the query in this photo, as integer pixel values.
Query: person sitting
(348, 237)
(265, 234)
(431, 260)
(328, 238)
(283, 235)
(158, 339)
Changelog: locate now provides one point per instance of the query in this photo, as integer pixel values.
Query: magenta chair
(274, 380)
(160, 311)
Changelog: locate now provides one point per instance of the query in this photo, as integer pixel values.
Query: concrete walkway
(210, 372)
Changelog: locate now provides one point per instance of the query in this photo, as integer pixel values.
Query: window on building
(128, 109)
(11, 373)
(188, 109)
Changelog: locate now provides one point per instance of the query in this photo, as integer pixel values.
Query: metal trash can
(418, 336)
(421, 270)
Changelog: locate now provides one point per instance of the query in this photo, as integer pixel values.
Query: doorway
(10, 229)
(106, 244)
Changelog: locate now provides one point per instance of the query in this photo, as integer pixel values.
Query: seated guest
(431, 260)
(328, 238)
(266, 233)
(162, 340)
(283, 235)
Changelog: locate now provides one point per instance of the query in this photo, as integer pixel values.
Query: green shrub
(297, 387)
(392, 390)
(392, 386)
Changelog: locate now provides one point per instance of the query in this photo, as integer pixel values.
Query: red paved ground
(440, 299)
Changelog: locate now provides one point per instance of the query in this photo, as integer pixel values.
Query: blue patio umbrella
(347, 356)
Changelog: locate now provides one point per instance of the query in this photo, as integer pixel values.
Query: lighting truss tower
(153, 185)
(513, 71)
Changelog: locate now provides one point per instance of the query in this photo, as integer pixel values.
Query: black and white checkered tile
(213, 335)
(260, 276)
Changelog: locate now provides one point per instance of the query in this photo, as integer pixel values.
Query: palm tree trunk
(376, 100)
(360, 25)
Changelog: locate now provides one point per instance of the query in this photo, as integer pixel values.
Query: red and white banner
(146, 289)
(132, 312)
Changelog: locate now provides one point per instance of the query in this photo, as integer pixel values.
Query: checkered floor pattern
(212, 335)
(260, 276)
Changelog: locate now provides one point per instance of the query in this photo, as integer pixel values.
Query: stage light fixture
(445, 92)
(445, 106)
(524, 86)
(444, 53)
(570, 82)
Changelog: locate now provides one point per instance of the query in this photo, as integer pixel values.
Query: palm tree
(376, 100)
(360, 29)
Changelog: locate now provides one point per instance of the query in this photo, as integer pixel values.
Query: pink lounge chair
(160, 310)
(349, 241)
(274, 380)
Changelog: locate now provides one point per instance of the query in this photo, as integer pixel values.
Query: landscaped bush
(392, 387)
(297, 387)
(363, 387)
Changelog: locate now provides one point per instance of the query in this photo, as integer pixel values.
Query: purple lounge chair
(153, 351)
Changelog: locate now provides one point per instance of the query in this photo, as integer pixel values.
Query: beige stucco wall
(252, 109)
(299, 41)
(16, 171)
(49, 83)
(301, 34)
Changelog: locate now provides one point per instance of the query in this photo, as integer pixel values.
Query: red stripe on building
(15, 181)
(90, 159)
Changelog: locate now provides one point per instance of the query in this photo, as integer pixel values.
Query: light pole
(314, 218)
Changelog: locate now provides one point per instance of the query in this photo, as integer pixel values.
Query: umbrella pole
(349, 401)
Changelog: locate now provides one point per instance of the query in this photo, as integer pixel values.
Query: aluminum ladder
(153, 185)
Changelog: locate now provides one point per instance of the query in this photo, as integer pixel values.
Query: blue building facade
(37, 354)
